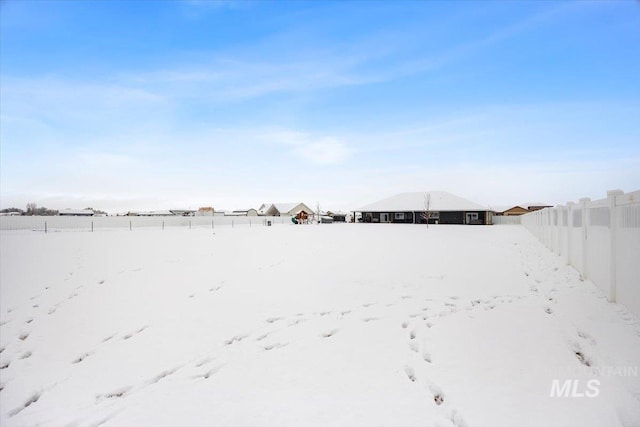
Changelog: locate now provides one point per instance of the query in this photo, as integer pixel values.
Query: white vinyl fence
(77, 223)
(600, 239)
(508, 220)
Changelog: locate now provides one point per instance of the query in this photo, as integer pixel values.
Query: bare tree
(31, 208)
(427, 207)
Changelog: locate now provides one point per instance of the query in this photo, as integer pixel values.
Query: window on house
(399, 215)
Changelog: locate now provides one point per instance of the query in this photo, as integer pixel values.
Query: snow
(439, 201)
(319, 325)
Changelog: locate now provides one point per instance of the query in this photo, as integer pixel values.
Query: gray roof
(439, 201)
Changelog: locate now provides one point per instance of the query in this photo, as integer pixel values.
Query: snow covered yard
(332, 325)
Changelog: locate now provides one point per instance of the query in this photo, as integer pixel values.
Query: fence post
(613, 237)
(231, 223)
(558, 218)
(45, 227)
(569, 231)
(212, 224)
(249, 223)
(92, 226)
(189, 224)
(585, 245)
(130, 228)
(162, 225)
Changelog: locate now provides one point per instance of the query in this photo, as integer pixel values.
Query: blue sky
(149, 105)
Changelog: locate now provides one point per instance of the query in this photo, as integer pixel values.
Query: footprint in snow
(274, 346)
(296, 321)
(235, 339)
(204, 361)
(586, 336)
(408, 370)
(114, 394)
(162, 375)
(30, 401)
(261, 337)
(206, 375)
(582, 358)
(329, 334)
(82, 357)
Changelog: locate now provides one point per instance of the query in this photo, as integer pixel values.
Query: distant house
(183, 212)
(166, 212)
(155, 213)
(518, 209)
(411, 208)
(205, 211)
(284, 209)
(244, 212)
(509, 210)
(76, 212)
(531, 207)
(338, 216)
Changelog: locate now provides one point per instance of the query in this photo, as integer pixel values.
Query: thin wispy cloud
(323, 150)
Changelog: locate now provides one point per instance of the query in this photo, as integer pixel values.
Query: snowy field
(333, 325)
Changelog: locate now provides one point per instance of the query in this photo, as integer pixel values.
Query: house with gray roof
(434, 207)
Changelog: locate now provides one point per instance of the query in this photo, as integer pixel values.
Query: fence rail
(508, 220)
(600, 238)
(77, 223)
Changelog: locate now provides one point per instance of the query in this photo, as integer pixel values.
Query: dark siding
(407, 219)
(451, 218)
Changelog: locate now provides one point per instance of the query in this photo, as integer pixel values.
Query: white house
(244, 212)
(284, 209)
